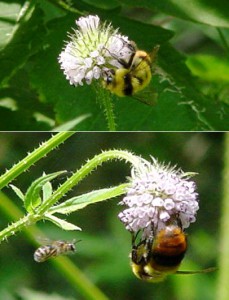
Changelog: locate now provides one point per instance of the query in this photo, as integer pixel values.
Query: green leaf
(18, 192)
(214, 12)
(28, 294)
(209, 67)
(10, 14)
(22, 29)
(82, 201)
(61, 223)
(32, 196)
(47, 190)
(111, 4)
(23, 35)
(70, 125)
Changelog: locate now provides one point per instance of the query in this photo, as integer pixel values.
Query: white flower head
(93, 48)
(157, 195)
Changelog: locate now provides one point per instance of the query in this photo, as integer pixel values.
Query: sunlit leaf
(18, 192)
(214, 12)
(209, 67)
(61, 223)
(47, 190)
(70, 125)
(82, 201)
(32, 196)
(28, 294)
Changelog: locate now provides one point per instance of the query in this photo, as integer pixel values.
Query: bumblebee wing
(208, 270)
(147, 96)
(153, 57)
(153, 54)
(44, 240)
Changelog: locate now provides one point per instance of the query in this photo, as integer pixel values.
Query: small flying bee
(134, 75)
(153, 258)
(55, 248)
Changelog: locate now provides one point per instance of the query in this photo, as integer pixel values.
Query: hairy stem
(104, 99)
(109, 111)
(84, 171)
(17, 226)
(33, 157)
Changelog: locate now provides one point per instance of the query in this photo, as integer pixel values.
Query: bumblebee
(153, 258)
(55, 248)
(134, 75)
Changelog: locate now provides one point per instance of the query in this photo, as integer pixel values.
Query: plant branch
(33, 157)
(84, 171)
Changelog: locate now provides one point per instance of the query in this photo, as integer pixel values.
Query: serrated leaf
(32, 196)
(18, 192)
(61, 223)
(82, 201)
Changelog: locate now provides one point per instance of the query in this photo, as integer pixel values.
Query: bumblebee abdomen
(165, 260)
(128, 86)
(44, 252)
(169, 247)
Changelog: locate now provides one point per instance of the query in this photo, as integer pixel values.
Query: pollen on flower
(156, 195)
(93, 48)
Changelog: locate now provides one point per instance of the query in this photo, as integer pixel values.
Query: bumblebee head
(108, 76)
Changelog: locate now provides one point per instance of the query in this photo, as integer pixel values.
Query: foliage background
(103, 252)
(193, 93)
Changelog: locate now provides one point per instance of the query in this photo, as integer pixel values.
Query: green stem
(86, 170)
(98, 160)
(76, 277)
(17, 226)
(109, 111)
(223, 291)
(105, 101)
(23, 221)
(33, 157)
(67, 269)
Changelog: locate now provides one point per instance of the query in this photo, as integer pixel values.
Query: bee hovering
(134, 74)
(53, 249)
(153, 258)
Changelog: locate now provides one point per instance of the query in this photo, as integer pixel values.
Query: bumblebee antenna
(76, 241)
(134, 237)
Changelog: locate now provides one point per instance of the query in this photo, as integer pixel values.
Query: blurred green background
(103, 252)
